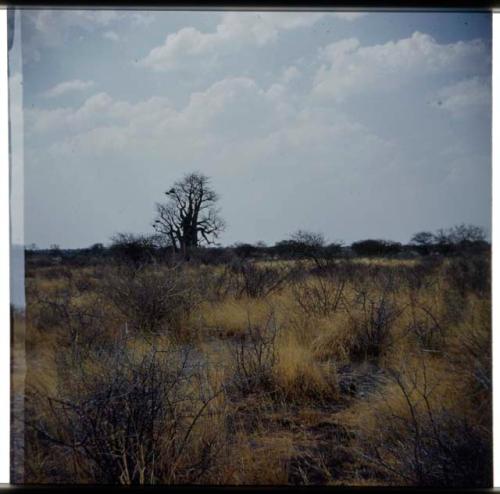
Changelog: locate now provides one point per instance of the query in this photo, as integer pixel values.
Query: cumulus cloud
(96, 111)
(228, 109)
(349, 68)
(234, 29)
(68, 87)
(465, 96)
(229, 115)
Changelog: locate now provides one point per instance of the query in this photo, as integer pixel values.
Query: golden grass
(384, 262)
(331, 343)
(310, 348)
(300, 376)
(232, 317)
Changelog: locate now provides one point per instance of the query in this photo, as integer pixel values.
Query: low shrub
(127, 416)
(151, 300)
(420, 438)
(253, 356)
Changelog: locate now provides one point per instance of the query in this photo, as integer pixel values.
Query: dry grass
(301, 377)
(231, 317)
(327, 396)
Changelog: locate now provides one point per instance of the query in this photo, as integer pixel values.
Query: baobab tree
(190, 217)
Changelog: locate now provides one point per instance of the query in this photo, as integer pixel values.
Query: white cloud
(227, 114)
(228, 109)
(67, 87)
(98, 110)
(179, 47)
(348, 68)
(262, 27)
(111, 35)
(233, 30)
(464, 96)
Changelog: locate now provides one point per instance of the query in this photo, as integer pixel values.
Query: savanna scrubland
(245, 369)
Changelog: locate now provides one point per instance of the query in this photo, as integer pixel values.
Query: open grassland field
(352, 372)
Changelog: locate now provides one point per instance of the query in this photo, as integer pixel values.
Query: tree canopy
(189, 217)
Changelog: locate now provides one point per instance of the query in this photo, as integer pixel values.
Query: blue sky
(353, 124)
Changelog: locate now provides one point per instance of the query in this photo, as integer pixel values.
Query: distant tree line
(459, 238)
(142, 249)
